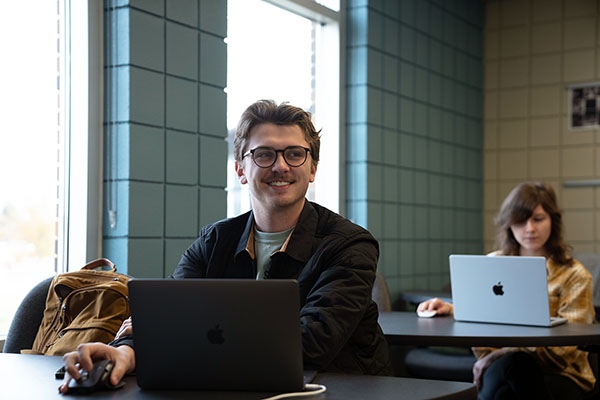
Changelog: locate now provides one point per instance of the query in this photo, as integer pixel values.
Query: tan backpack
(82, 306)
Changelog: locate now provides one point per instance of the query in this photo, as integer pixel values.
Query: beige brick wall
(533, 50)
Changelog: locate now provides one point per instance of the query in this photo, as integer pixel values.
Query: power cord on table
(312, 389)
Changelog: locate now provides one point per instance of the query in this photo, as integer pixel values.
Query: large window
(46, 215)
(287, 51)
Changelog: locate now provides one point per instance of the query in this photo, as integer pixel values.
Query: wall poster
(584, 106)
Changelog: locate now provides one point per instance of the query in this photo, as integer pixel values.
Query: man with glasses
(276, 149)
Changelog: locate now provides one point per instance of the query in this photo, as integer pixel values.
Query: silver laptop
(220, 334)
(501, 289)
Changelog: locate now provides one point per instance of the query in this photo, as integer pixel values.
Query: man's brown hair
(267, 111)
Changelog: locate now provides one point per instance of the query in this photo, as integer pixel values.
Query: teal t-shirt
(265, 244)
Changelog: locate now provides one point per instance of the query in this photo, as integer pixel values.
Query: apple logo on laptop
(215, 335)
(498, 289)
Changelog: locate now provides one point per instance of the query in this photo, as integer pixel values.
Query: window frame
(80, 222)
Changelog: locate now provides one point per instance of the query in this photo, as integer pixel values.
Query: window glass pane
(29, 145)
(269, 56)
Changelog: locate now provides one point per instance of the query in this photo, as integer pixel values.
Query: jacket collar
(247, 236)
(299, 244)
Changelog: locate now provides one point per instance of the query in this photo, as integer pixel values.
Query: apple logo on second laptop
(215, 335)
(498, 289)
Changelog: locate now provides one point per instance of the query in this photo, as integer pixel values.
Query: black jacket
(334, 262)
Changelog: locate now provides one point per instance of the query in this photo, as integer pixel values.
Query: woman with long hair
(530, 224)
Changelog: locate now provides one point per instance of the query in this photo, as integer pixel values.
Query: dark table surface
(406, 328)
(32, 377)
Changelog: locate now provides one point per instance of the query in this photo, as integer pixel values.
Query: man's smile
(278, 180)
(279, 183)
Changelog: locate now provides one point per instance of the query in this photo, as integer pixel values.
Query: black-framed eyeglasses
(265, 157)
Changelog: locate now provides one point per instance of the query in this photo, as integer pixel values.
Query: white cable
(312, 387)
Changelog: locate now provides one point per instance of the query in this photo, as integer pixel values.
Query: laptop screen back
(217, 334)
(501, 289)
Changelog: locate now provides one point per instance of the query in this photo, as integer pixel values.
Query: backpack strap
(100, 262)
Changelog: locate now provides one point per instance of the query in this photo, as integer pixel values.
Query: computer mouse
(427, 313)
(95, 379)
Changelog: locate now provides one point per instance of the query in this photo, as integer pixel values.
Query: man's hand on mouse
(85, 355)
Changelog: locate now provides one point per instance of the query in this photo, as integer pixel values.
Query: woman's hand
(482, 365)
(435, 304)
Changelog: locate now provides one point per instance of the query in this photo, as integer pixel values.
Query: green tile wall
(165, 121)
(414, 133)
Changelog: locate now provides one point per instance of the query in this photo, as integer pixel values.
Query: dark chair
(27, 319)
(440, 363)
(381, 294)
(381, 297)
(591, 261)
